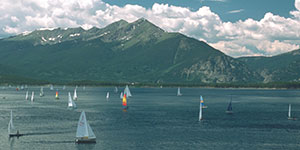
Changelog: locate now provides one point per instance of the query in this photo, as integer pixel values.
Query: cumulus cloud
(271, 35)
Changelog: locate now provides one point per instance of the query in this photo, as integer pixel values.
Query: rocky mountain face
(126, 52)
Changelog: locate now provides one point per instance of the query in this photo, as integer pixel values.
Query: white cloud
(271, 35)
(235, 11)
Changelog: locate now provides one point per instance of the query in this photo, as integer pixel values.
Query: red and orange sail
(56, 95)
(124, 101)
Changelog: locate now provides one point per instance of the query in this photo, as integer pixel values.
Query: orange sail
(124, 102)
(56, 95)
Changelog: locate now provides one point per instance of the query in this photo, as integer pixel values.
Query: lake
(156, 119)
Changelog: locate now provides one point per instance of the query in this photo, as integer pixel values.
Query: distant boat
(127, 91)
(178, 92)
(71, 103)
(56, 95)
(83, 87)
(42, 92)
(64, 87)
(124, 102)
(290, 113)
(22, 87)
(11, 129)
(229, 108)
(26, 95)
(116, 90)
(75, 94)
(84, 132)
(107, 95)
(121, 95)
(51, 87)
(203, 106)
(32, 96)
(200, 111)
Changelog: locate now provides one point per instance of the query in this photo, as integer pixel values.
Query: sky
(235, 27)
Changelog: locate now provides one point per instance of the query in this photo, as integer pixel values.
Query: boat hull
(289, 118)
(15, 135)
(229, 112)
(81, 141)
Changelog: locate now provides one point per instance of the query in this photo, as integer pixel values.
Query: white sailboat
(42, 92)
(26, 96)
(11, 129)
(64, 87)
(71, 103)
(84, 132)
(116, 90)
(201, 99)
(32, 96)
(178, 92)
(121, 95)
(51, 87)
(127, 91)
(200, 111)
(107, 95)
(75, 94)
(290, 113)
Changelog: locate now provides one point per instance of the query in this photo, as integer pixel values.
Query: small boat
(83, 87)
(26, 95)
(127, 91)
(178, 92)
(32, 96)
(51, 87)
(42, 92)
(201, 99)
(229, 108)
(200, 111)
(121, 95)
(290, 113)
(116, 90)
(75, 94)
(107, 95)
(124, 102)
(84, 132)
(71, 103)
(64, 87)
(11, 129)
(56, 95)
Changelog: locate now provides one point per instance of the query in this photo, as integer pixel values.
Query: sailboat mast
(200, 112)
(290, 109)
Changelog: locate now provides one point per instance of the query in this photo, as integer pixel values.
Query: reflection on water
(157, 119)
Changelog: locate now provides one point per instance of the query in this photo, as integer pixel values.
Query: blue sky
(255, 9)
(235, 27)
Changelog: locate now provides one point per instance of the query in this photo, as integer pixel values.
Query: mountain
(121, 52)
(283, 67)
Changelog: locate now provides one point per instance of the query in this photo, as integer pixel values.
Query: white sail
(26, 96)
(75, 94)
(11, 128)
(51, 87)
(71, 103)
(32, 96)
(200, 112)
(107, 95)
(178, 92)
(121, 95)
(116, 90)
(42, 92)
(290, 109)
(64, 87)
(83, 128)
(127, 91)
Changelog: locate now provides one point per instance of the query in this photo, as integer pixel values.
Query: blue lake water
(156, 119)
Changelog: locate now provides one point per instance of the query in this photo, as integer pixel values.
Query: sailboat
(42, 92)
(11, 129)
(127, 91)
(178, 92)
(201, 98)
(124, 102)
(290, 113)
(75, 94)
(229, 108)
(84, 132)
(107, 95)
(56, 95)
(116, 90)
(64, 87)
(32, 96)
(51, 87)
(71, 103)
(26, 96)
(121, 95)
(200, 111)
